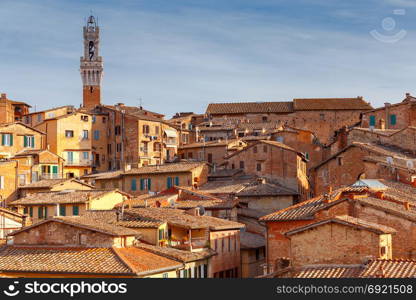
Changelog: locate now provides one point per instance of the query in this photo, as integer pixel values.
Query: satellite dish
(201, 210)
(389, 160)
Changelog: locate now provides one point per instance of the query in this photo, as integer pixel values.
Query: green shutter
(75, 210)
(54, 169)
(24, 141)
(149, 184)
(133, 184)
(141, 184)
(392, 119)
(40, 212)
(46, 211)
(62, 210)
(176, 180)
(33, 141)
(11, 139)
(372, 120)
(31, 211)
(3, 137)
(169, 182)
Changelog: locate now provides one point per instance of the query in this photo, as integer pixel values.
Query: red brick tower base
(91, 96)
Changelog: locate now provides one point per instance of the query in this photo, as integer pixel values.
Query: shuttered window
(133, 184)
(393, 120)
(176, 180)
(372, 120)
(62, 210)
(75, 210)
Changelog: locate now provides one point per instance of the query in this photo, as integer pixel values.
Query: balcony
(50, 176)
(194, 244)
(80, 163)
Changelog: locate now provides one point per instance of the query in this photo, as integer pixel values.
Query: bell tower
(91, 65)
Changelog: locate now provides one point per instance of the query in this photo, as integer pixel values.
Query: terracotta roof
(390, 268)
(272, 143)
(390, 207)
(144, 262)
(166, 168)
(323, 271)
(65, 196)
(266, 189)
(251, 213)
(105, 175)
(62, 260)
(225, 173)
(378, 149)
(49, 183)
(374, 268)
(225, 186)
(347, 221)
(85, 222)
(223, 143)
(177, 217)
(306, 210)
(249, 107)
(176, 254)
(250, 240)
(4, 125)
(331, 104)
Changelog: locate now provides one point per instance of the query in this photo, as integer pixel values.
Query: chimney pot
(3, 96)
(406, 205)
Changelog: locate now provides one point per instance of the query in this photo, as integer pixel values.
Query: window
(29, 141)
(176, 180)
(117, 130)
(118, 147)
(22, 179)
(161, 234)
(169, 182)
(241, 134)
(145, 184)
(307, 155)
(229, 244)
(265, 148)
(96, 135)
(104, 119)
(340, 161)
(264, 119)
(133, 185)
(109, 149)
(393, 120)
(146, 129)
(322, 116)
(383, 250)
(241, 164)
(255, 149)
(70, 157)
(84, 118)
(7, 139)
(62, 210)
(40, 212)
(156, 147)
(94, 119)
(259, 167)
(165, 275)
(31, 211)
(372, 120)
(85, 134)
(75, 210)
(1, 182)
(69, 133)
(210, 157)
(85, 155)
(39, 117)
(144, 147)
(280, 139)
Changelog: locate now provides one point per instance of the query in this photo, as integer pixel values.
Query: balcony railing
(50, 176)
(83, 162)
(195, 243)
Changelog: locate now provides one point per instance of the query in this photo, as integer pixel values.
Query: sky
(181, 55)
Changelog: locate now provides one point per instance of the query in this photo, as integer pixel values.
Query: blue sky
(182, 55)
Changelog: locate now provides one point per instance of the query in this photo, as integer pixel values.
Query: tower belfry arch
(91, 68)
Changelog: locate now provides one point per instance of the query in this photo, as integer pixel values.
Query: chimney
(382, 124)
(406, 205)
(326, 198)
(386, 104)
(261, 180)
(379, 194)
(3, 96)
